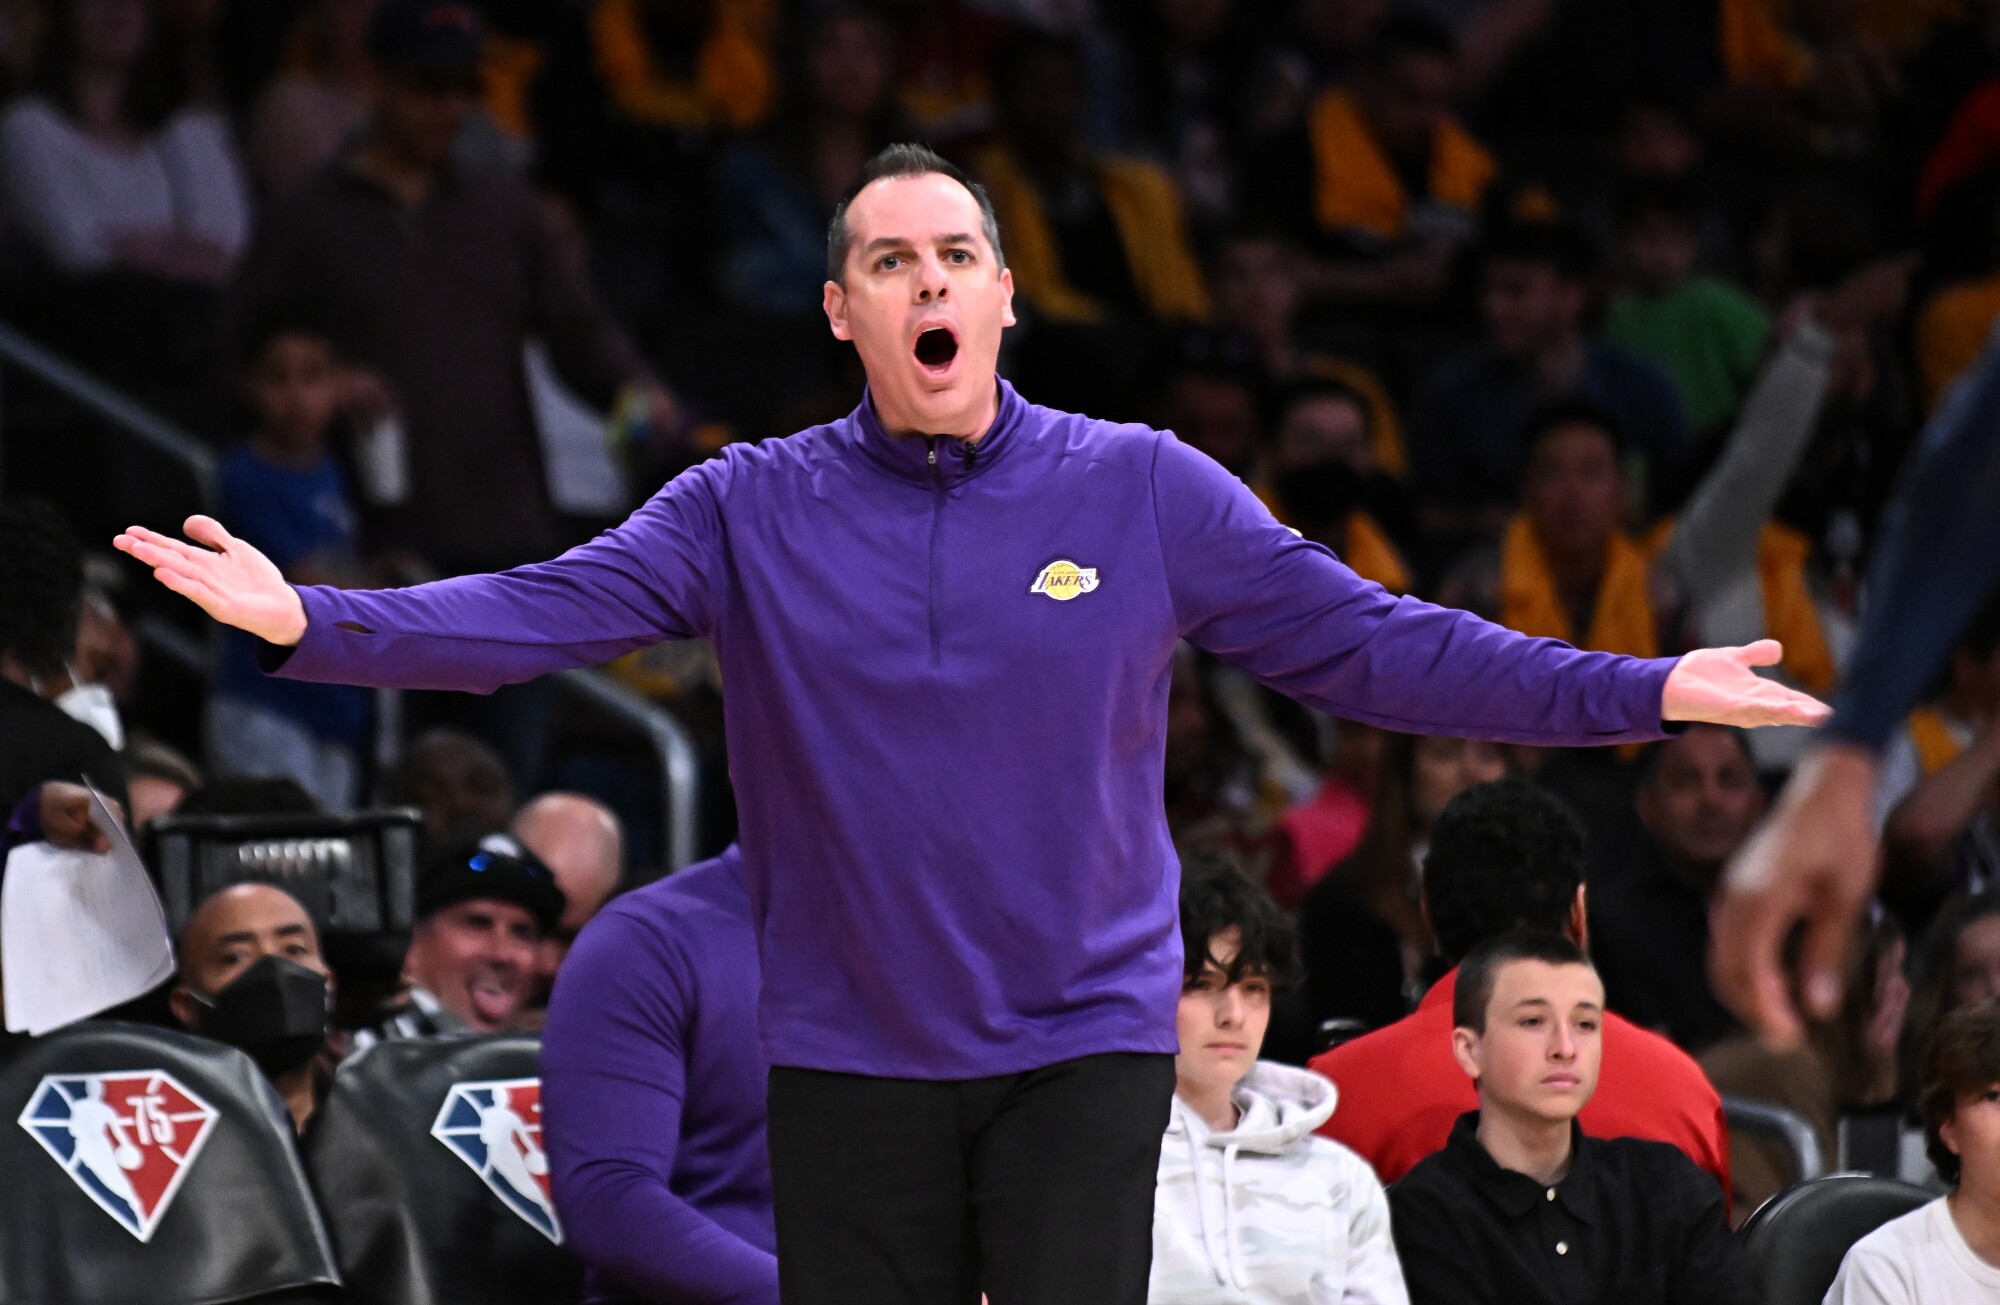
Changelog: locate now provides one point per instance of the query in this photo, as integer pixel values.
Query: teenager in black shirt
(1521, 1206)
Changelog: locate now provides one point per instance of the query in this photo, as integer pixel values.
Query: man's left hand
(1720, 686)
(65, 817)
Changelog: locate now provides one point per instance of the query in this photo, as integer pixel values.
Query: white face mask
(93, 705)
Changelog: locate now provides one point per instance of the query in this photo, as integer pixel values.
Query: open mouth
(936, 348)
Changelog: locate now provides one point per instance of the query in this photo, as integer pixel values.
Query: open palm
(1721, 686)
(225, 577)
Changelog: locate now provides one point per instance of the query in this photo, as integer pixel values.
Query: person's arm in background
(1815, 859)
(646, 581)
(614, 1062)
(1255, 594)
(1925, 825)
(45, 193)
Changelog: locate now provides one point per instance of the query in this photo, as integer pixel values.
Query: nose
(933, 285)
(1564, 1047)
(1229, 1008)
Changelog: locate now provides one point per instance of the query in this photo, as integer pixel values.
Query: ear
(834, 300)
(1579, 919)
(1948, 1134)
(1465, 1050)
(182, 1004)
(1007, 304)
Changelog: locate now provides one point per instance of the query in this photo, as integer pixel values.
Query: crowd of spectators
(1612, 323)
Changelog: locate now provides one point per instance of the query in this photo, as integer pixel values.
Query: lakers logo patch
(1063, 580)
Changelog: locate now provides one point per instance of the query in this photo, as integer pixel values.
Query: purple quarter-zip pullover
(947, 668)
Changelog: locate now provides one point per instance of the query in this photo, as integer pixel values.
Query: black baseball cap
(496, 866)
(426, 36)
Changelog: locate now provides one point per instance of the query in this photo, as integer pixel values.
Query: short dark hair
(1649, 760)
(1315, 388)
(1555, 244)
(1481, 969)
(1217, 897)
(41, 586)
(1649, 197)
(1404, 34)
(1560, 414)
(904, 160)
(276, 320)
(1961, 1060)
(1503, 856)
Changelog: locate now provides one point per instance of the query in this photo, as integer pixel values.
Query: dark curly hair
(1505, 855)
(1217, 897)
(1961, 1060)
(41, 586)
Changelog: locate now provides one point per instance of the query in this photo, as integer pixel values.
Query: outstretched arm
(645, 581)
(1254, 593)
(1816, 859)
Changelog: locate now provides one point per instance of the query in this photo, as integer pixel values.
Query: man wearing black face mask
(251, 975)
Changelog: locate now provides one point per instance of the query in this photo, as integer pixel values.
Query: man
(653, 1094)
(1468, 444)
(458, 782)
(433, 278)
(583, 845)
(251, 975)
(1698, 800)
(482, 911)
(948, 624)
(1504, 855)
(1523, 1205)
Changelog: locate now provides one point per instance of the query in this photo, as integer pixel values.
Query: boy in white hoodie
(1252, 1209)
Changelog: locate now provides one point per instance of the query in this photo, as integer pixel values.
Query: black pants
(1034, 1188)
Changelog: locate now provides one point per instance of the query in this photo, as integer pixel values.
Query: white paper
(80, 932)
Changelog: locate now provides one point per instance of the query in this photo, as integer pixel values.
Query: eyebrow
(250, 936)
(904, 242)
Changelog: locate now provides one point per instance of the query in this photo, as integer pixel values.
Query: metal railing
(1787, 1127)
(671, 744)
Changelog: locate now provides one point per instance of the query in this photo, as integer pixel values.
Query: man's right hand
(228, 579)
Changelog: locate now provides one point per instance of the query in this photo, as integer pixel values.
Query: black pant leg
(869, 1184)
(1062, 1178)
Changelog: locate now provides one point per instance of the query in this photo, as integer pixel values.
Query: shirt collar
(1516, 1194)
(908, 457)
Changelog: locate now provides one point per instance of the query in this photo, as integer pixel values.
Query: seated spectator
(251, 975)
(41, 593)
(1090, 238)
(1325, 480)
(483, 909)
(1367, 945)
(283, 492)
(1503, 856)
(1948, 1250)
(1566, 568)
(1218, 791)
(158, 779)
(681, 64)
(1628, 1220)
(1846, 1064)
(776, 191)
(447, 337)
(103, 171)
(1705, 334)
(1468, 445)
(1259, 275)
(308, 112)
(1302, 1219)
(1189, 69)
(1957, 965)
(653, 1095)
(1210, 401)
(1935, 784)
(459, 784)
(1698, 800)
(581, 842)
(1388, 178)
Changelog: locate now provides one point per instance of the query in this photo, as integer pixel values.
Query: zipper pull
(932, 441)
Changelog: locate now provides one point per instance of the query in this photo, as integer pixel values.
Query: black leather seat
(1796, 1240)
(145, 1166)
(428, 1163)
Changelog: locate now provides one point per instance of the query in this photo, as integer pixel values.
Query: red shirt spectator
(1400, 1091)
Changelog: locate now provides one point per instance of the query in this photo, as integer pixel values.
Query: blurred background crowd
(1611, 322)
